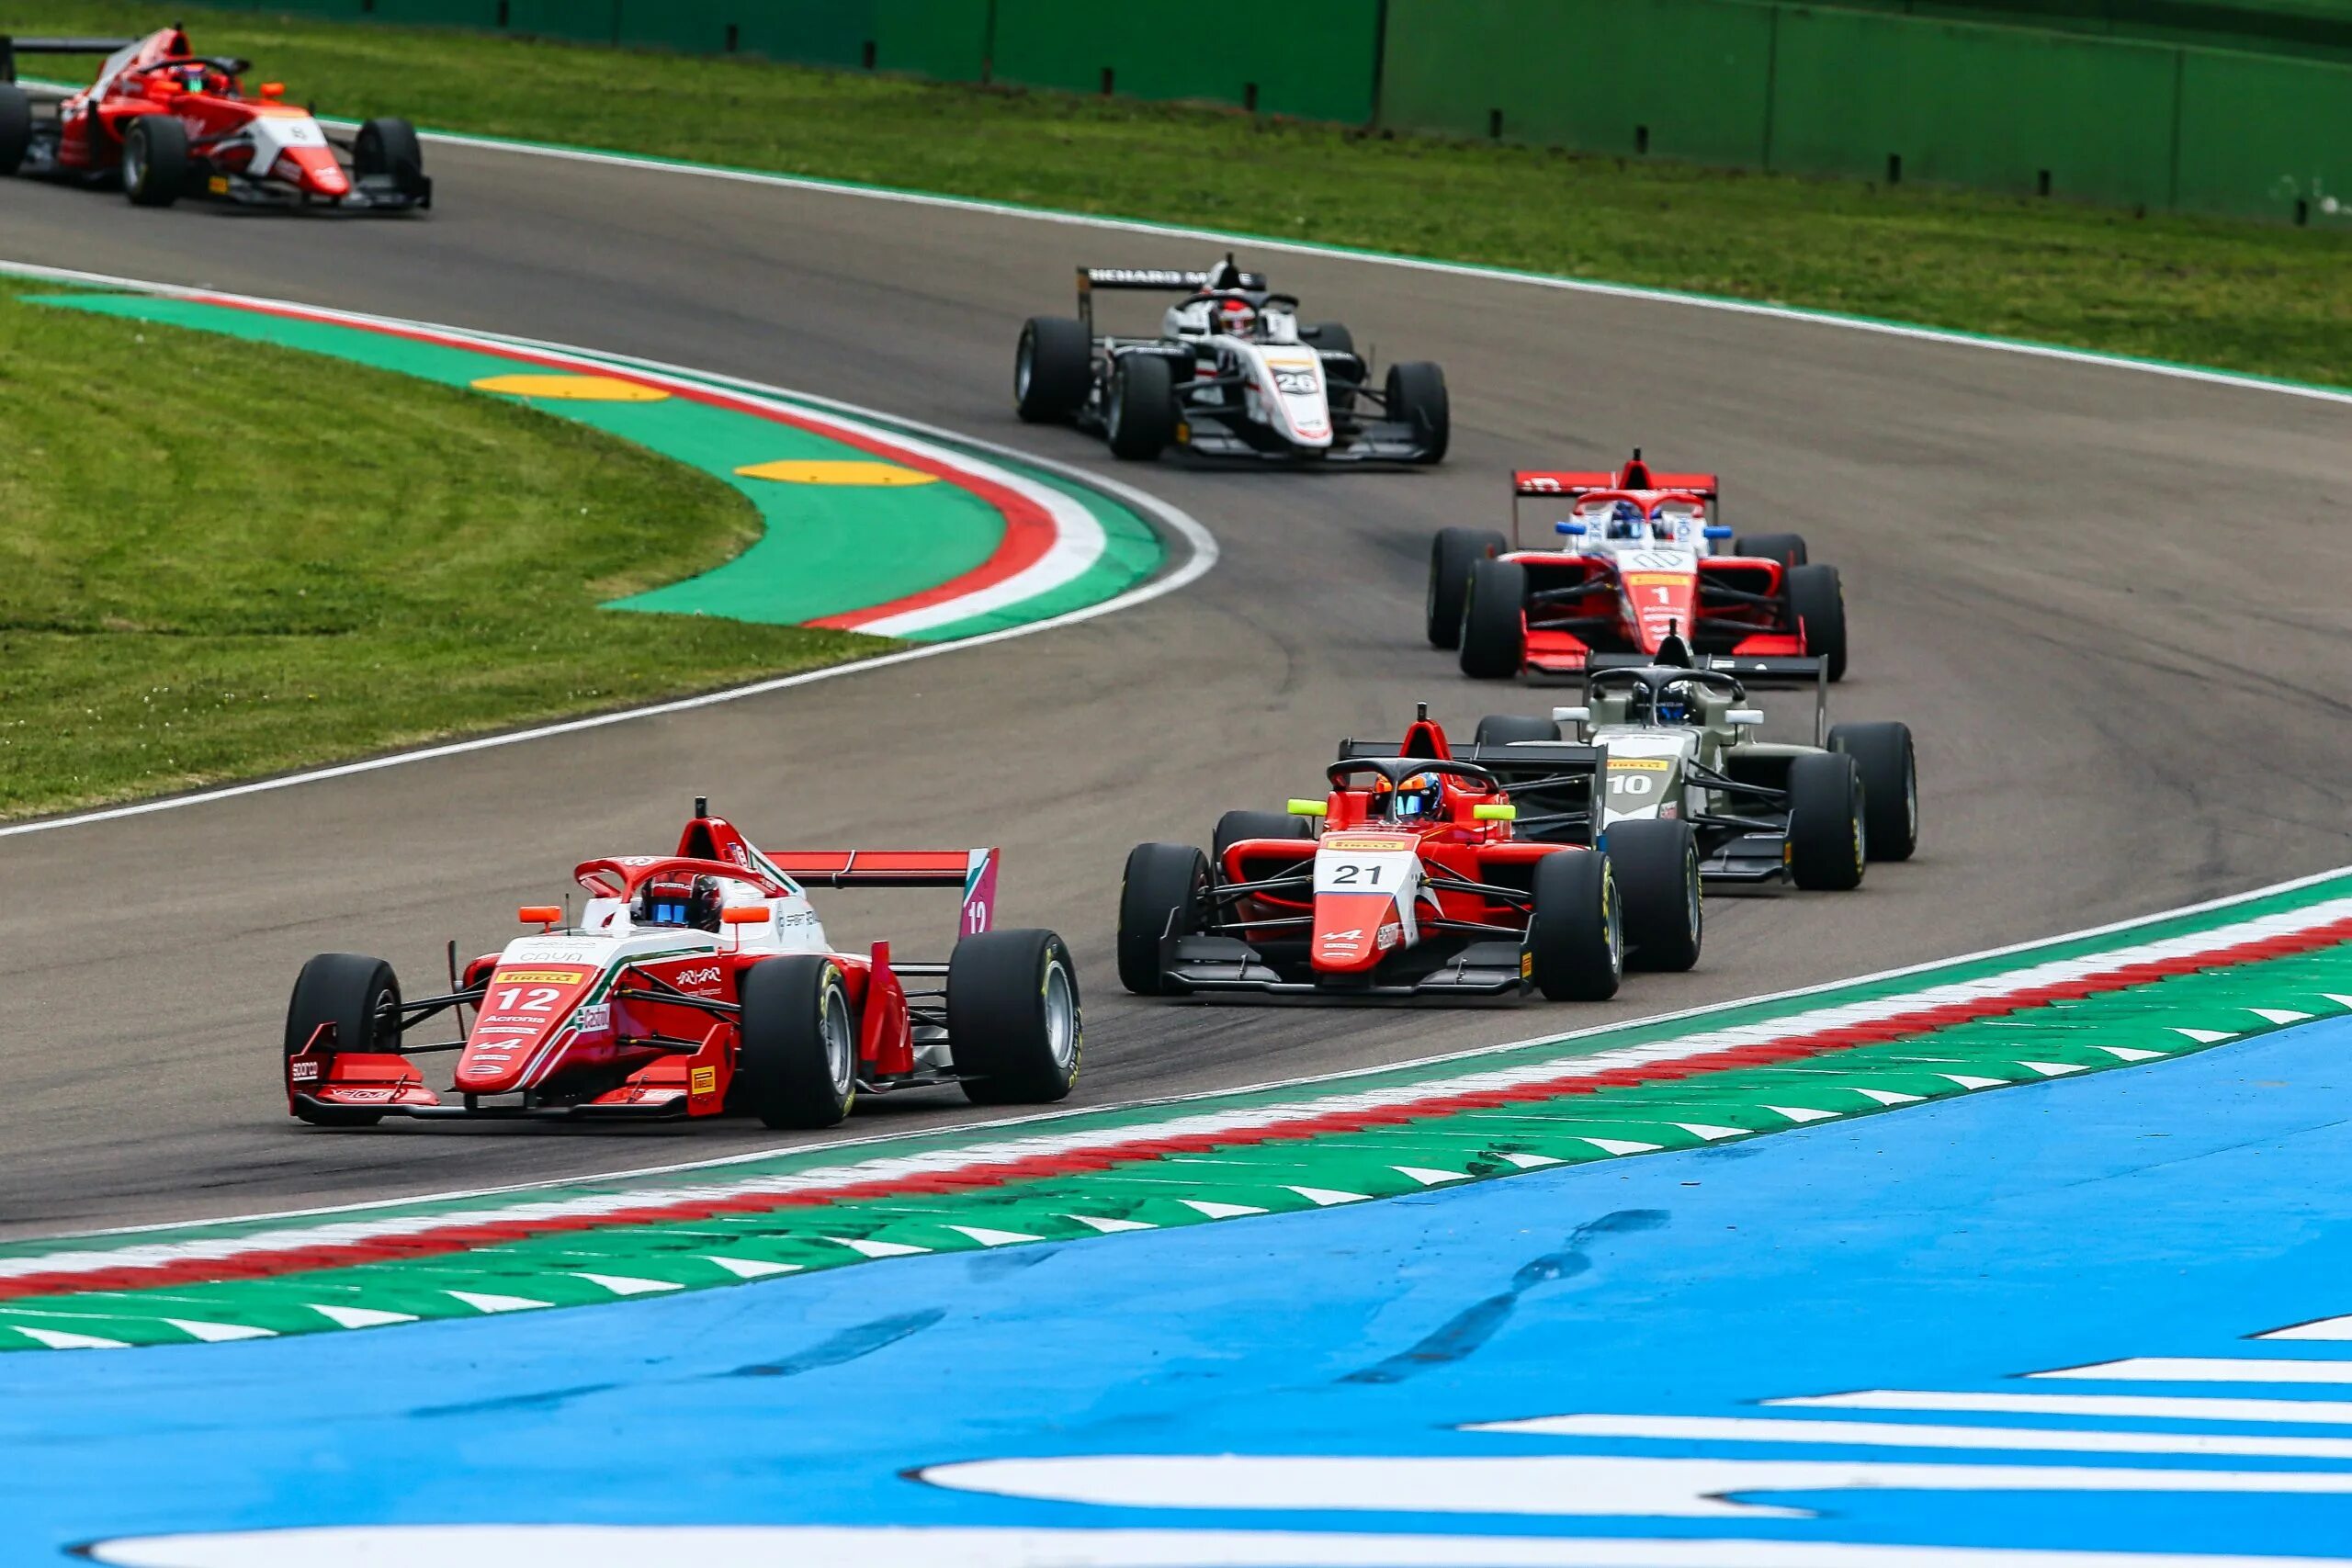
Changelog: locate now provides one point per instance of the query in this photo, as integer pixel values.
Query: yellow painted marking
(1642, 764)
(798, 472)
(572, 388)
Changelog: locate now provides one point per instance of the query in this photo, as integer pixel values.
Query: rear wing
(974, 870)
(1563, 486)
(10, 47)
(1553, 782)
(1147, 280)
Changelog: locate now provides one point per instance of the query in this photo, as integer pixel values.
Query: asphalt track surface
(2108, 603)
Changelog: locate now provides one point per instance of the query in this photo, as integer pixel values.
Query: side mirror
(1716, 531)
(1571, 716)
(1576, 530)
(1310, 809)
(1746, 715)
(745, 915)
(545, 916)
(272, 91)
(1495, 813)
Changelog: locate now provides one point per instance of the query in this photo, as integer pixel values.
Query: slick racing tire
(1141, 418)
(796, 1065)
(1576, 934)
(1786, 549)
(16, 127)
(1494, 626)
(1658, 878)
(1236, 826)
(1817, 602)
(388, 149)
(1452, 554)
(361, 996)
(154, 161)
(1827, 838)
(1053, 369)
(1161, 894)
(1510, 728)
(1416, 397)
(1013, 1026)
(1890, 770)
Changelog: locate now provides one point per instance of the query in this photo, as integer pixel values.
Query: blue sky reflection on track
(1945, 1250)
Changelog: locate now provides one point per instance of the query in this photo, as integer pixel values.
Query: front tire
(154, 161)
(1416, 397)
(389, 149)
(1882, 755)
(16, 127)
(1494, 626)
(796, 1063)
(1452, 554)
(1160, 896)
(1575, 936)
(1658, 878)
(1141, 418)
(1827, 838)
(1817, 602)
(1053, 369)
(361, 996)
(1013, 1024)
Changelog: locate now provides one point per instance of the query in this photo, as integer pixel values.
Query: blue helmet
(1625, 521)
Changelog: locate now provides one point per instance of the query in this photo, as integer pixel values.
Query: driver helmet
(1234, 318)
(1420, 798)
(1665, 528)
(193, 78)
(678, 900)
(1677, 703)
(1625, 521)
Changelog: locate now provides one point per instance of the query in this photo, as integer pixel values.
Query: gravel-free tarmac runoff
(2109, 602)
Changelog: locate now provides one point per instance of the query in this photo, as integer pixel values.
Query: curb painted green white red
(2121, 997)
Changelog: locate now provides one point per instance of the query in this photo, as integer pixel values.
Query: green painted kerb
(828, 549)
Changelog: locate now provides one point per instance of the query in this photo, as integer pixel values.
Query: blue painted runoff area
(1303, 1388)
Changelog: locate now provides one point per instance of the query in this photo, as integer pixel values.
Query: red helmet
(1236, 317)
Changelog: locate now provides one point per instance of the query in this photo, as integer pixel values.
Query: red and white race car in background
(698, 984)
(1630, 559)
(168, 122)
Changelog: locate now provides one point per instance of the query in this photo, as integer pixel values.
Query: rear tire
(1052, 370)
(796, 1065)
(1452, 554)
(361, 996)
(1014, 1017)
(388, 149)
(1494, 628)
(16, 127)
(1827, 838)
(1882, 755)
(1817, 602)
(1510, 728)
(1786, 549)
(1658, 878)
(154, 161)
(1417, 396)
(1236, 826)
(1160, 896)
(1141, 418)
(1575, 936)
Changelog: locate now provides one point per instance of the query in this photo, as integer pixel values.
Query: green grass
(2253, 298)
(219, 560)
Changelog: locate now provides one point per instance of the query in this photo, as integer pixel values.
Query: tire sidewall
(1574, 948)
(784, 1071)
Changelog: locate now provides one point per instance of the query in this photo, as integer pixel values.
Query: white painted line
(628, 1284)
(1906, 1435)
(1708, 1132)
(864, 1248)
(1217, 1210)
(1967, 1081)
(1531, 1162)
(60, 1339)
(1194, 538)
(750, 1268)
(2051, 1069)
(1890, 1097)
(1111, 1227)
(487, 1301)
(219, 1333)
(1623, 1147)
(1429, 1177)
(360, 1318)
(2127, 1054)
(2121, 1407)
(1800, 1114)
(1326, 1197)
(988, 1238)
(2206, 1036)
(2326, 1328)
(2281, 1015)
(2207, 1369)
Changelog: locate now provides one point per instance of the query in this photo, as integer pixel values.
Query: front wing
(1214, 964)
